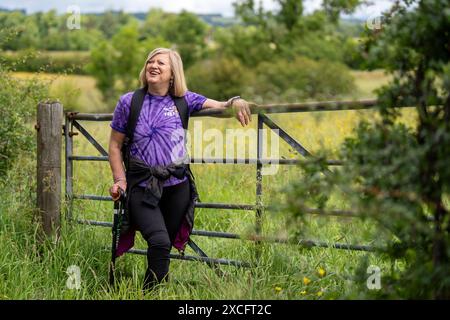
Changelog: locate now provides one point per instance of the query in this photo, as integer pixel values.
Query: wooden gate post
(49, 143)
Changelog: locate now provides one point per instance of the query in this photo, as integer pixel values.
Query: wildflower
(306, 281)
(278, 289)
(303, 292)
(321, 272)
(320, 293)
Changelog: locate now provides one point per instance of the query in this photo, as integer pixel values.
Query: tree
(290, 12)
(103, 67)
(334, 8)
(185, 32)
(219, 78)
(249, 13)
(291, 32)
(129, 57)
(111, 22)
(18, 100)
(399, 175)
(300, 79)
(247, 43)
(155, 24)
(11, 24)
(116, 64)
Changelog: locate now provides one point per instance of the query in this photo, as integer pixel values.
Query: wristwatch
(230, 101)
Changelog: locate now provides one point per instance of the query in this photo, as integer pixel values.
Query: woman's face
(158, 69)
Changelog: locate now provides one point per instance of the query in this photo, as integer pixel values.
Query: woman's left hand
(242, 111)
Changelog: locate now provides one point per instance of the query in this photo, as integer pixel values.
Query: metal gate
(72, 123)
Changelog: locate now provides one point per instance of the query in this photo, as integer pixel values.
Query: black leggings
(159, 226)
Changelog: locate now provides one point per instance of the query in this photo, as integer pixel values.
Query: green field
(75, 92)
(280, 271)
(78, 92)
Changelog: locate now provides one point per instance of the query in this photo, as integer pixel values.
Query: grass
(368, 81)
(30, 269)
(75, 92)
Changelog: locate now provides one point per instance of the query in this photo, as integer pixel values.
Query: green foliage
(103, 61)
(110, 22)
(15, 22)
(353, 53)
(335, 7)
(399, 176)
(315, 46)
(118, 45)
(67, 93)
(128, 56)
(290, 12)
(48, 31)
(18, 101)
(248, 44)
(154, 23)
(31, 60)
(300, 79)
(218, 79)
(249, 13)
(290, 33)
(77, 39)
(116, 64)
(185, 32)
(270, 82)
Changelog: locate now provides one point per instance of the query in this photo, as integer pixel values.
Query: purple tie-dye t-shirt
(159, 135)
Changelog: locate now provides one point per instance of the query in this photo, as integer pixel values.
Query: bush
(251, 45)
(283, 80)
(219, 78)
(397, 176)
(316, 46)
(18, 100)
(47, 61)
(116, 63)
(301, 79)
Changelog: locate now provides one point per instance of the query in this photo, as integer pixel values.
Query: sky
(223, 7)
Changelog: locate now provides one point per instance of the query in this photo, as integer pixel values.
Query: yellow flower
(306, 281)
(321, 272)
(303, 292)
(278, 289)
(319, 294)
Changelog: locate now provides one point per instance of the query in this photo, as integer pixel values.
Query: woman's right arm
(116, 163)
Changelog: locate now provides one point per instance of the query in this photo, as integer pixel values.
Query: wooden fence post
(49, 143)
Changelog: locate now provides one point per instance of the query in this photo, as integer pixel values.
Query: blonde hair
(178, 87)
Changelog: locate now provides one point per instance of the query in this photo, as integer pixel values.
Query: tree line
(309, 54)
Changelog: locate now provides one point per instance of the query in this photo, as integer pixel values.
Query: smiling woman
(155, 175)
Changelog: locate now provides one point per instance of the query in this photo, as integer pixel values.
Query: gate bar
(220, 161)
(201, 259)
(90, 138)
(259, 238)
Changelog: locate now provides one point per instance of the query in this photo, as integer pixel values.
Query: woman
(161, 199)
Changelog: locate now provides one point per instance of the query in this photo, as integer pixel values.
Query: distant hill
(218, 20)
(23, 11)
(213, 19)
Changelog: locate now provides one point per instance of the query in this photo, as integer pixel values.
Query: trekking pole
(118, 212)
